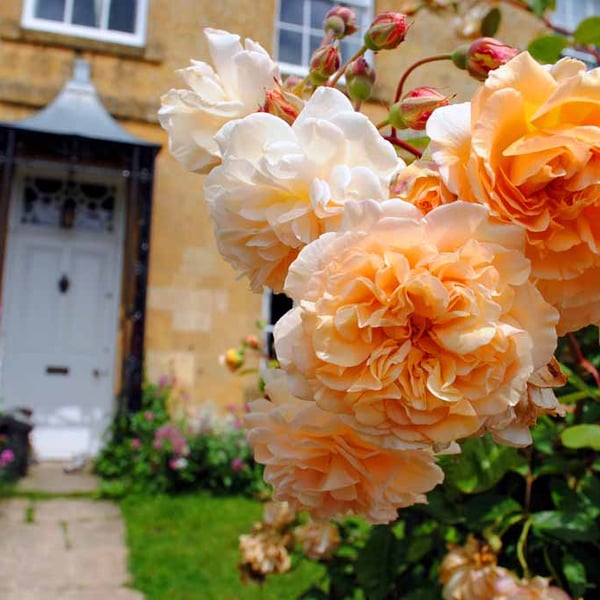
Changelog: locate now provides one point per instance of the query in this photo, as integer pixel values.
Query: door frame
(10, 268)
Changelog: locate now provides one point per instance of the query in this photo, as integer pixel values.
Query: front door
(61, 293)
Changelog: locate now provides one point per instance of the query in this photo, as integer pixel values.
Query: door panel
(59, 325)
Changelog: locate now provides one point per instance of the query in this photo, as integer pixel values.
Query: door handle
(55, 370)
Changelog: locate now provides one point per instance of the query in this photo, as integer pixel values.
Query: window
(274, 307)
(299, 30)
(568, 13)
(118, 21)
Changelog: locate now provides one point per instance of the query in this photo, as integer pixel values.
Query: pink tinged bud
(386, 32)
(360, 77)
(237, 464)
(482, 56)
(291, 81)
(286, 106)
(324, 63)
(415, 108)
(340, 22)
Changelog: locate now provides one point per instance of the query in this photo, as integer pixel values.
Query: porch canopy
(75, 132)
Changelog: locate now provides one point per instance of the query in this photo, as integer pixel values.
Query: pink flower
(136, 443)
(7, 456)
(172, 434)
(149, 415)
(237, 464)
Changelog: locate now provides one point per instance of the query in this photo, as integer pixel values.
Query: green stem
(404, 145)
(423, 61)
(341, 70)
(383, 124)
(521, 546)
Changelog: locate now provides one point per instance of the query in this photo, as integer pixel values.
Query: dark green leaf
(548, 48)
(488, 508)
(575, 574)
(539, 7)
(588, 31)
(491, 23)
(480, 466)
(378, 562)
(569, 527)
(581, 436)
(418, 548)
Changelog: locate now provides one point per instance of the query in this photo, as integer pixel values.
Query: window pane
(290, 47)
(291, 11)
(50, 9)
(122, 15)
(86, 12)
(349, 47)
(318, 10)
(315, 42)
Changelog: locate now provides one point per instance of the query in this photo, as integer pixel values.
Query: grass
(186, 548)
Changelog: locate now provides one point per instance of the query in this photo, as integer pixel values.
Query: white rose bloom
(280, 186)
(233, 89)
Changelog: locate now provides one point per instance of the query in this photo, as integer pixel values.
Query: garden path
(67, 548)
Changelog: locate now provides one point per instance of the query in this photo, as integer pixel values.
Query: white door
(61, 293)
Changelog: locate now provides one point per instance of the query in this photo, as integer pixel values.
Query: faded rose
(235, 87)
(528, 146)
(422, 330)
(318, 540)
(316, 461)
(281, 186)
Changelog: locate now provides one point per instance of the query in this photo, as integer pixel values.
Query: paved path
(62, 548)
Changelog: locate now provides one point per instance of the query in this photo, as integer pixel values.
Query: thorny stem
(341, 70)
(582, 360)
(521, 544)
(404, 145)
(414, 66)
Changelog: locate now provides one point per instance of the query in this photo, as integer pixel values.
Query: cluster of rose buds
(235, 358)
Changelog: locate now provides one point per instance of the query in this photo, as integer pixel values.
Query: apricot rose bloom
(528, 146)
(234, 88)
(423, 330)
(280, 186)
(318, 462)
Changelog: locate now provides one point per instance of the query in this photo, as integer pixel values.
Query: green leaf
(539, 7)
(491, 23)
(575, 574)
(480, 466)
(588, 31)
(488, 508)
(378, 562)
(548, 48)
(569, 527)
(581, 436)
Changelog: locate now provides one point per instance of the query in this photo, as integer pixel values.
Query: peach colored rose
(318, 540)
(281, 186)
(316, 461)
(529, 147)
(278, 515)
(509, 587)
(422, 330)
(421, 184)
(235, 87)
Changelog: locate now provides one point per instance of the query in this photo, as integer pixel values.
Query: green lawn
(186, 548)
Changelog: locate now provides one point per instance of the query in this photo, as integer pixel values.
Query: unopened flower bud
(234, 359)
(291, 81)
(415, 108)
(360, 77)
(251, 340)
(386, 31)
(482, 56)
(324, 63)
(283, 104)
(340, 22)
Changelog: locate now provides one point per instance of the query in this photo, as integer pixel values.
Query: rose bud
(291, 81)
(252, 342)
(360, 77)
(482, 56)
(283, 104)
(234, 359)
(324, 63)
(386, 31)
(340, 22)
(415, 108)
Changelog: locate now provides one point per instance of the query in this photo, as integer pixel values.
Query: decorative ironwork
(79, 205)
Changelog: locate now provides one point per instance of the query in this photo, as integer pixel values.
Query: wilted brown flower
(318, 540)
(278, 515)
(264, 552)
